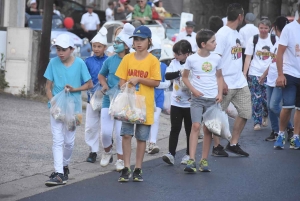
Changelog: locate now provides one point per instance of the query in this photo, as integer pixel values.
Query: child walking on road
(206, 86)
(64, 72)
(142, 70)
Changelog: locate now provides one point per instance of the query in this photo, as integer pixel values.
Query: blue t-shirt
(73, 75)
(108, 70)
(94, 65)
(159, 93)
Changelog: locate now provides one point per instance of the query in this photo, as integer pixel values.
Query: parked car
(172, 26)
(83, 47)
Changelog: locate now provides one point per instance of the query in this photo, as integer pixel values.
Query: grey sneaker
(190, 167)
(153, 148)
(272, 137)
(56, 179)
(185, 159)
(168, 158)
(204, 166)
(219, 151)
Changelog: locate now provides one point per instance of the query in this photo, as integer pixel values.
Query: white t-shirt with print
(290, 37)
(203, 71)
(180, 97)
(261, 59)
(273, 73)
(229, 47)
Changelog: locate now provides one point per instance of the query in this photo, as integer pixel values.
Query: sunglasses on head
(61, 49)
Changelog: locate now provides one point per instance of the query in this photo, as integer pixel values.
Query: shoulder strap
(255, 40)
(273, 39)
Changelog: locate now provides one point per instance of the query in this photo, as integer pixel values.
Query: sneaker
(290, 132)
(280, 141)
(219, 151)
(190, 167)
(295, 143)
(137, 174)
(66, 172)
(272, 137)
(92, 157)
(201, 136)
(152, 148)
(185, 159)
(236, 150)
(106, 158)
(125, 175)
(203, 166)
(265, 121)
(56, 179)
(119, 165)
(257, 127)
(168, 158)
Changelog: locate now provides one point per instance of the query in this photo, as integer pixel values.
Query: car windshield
(172, 23)
(37, 23)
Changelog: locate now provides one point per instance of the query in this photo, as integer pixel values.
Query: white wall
(3, 46)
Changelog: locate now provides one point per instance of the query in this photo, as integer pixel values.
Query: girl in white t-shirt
(180, 101)
(206, 86)
(274, 94)
(257, 66)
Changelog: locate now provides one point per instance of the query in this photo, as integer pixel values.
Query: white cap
(32, 1)
(155, 1)
(127, 32)
(100, 37)
(156, 42)
(64, 41)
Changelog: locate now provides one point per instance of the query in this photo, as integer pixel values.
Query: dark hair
(233, 11)
(182, 47)
(280, 23)
(157, 4)
(110, 3)
(215, 23)
(150, 44)
(266, 48)
(203, 36)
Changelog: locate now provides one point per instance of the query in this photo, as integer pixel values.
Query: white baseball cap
(100, 37)
(64, 41)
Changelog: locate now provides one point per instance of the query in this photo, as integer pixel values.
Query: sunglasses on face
(61, 49)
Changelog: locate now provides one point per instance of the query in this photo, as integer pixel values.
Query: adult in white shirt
(55, 11)
(109, 12)
(274, 94)
(90, 23)
(257, 66)
(288, 66)
(224, 19)
(249, 29)
(189, 35)
(235, 84)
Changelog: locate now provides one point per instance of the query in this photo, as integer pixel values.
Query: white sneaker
(119, 165)
(152, 148)
(106, 158)
(185, 159)
(168, 158)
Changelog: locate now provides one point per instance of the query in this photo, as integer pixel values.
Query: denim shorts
(142, 131)
(198, 106)
(291, 92)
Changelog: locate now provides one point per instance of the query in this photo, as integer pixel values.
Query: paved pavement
(26, 160)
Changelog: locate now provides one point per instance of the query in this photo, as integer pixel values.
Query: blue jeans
(274, 101)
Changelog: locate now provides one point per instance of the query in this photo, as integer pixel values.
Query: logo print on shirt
(297, 50)
(138, 73)
(236, 51)
(206, 67)
(264, 54)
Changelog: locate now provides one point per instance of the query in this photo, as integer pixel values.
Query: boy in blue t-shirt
(64, 72)
(94, 65)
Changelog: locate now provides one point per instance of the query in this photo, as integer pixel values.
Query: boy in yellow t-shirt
(141, 69)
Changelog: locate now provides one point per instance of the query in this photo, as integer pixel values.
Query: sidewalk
(26, 158)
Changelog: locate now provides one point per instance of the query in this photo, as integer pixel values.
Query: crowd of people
(208, 68)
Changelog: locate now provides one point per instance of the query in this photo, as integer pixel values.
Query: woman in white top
(274, 94)
(257, 66)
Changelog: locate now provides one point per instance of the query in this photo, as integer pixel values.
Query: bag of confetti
(128, 107)
(225, 131)
(96, 100)
(70, 120)
(212, 118)
(58, 105)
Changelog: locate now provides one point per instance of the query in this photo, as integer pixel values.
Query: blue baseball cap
(142, 32)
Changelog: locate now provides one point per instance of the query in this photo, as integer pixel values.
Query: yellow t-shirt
(146, 68)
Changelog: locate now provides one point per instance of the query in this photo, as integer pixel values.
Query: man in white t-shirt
(189, 35)
(90, 23)
(249, 29)
(109, 12)
(288, 65)
(235, 84)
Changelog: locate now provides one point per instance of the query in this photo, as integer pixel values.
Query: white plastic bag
(212, 119)
(167, 102)
(129, 107)
(96, 99)
(225, 131)
(231, 111)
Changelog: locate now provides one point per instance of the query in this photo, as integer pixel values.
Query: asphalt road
(267, 174)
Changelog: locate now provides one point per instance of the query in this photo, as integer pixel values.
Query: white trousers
(155, 126)
(108, 126)
(92, 128)
(63, 143)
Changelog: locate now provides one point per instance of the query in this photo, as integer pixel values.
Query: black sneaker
(290, 132)
(137, 174)
(92, 157)
(219, 151)
(125, 175)
(272, 137)
(56, 179)
(66, 172)
(236, 150)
